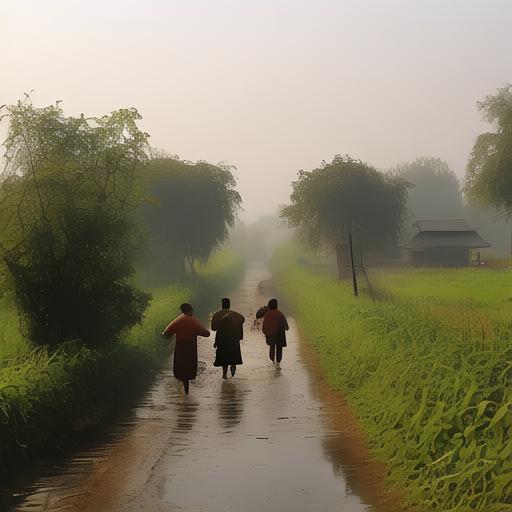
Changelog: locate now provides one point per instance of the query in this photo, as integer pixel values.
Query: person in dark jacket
(229, 327)
(274, 328)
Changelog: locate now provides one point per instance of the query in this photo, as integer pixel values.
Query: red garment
(274, 327)
(187, 329)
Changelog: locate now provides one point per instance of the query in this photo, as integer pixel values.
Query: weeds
(45, 395)
(434, 398)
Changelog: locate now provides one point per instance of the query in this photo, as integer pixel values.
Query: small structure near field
(444, 243)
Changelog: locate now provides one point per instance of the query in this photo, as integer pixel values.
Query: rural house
(443, 243)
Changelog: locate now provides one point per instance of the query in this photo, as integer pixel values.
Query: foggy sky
(271, 86)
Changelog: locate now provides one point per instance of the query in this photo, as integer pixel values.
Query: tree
(489, 170)
(192, 207)
(345, 196)
(435, 192)
(67, 228)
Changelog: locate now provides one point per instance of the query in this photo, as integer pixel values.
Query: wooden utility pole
(354, 277)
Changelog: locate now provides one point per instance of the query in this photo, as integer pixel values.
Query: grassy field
(44, 396)
(488, 290)
(433, 394)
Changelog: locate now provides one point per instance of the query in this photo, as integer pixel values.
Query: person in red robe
(187, 329)
(274, 328)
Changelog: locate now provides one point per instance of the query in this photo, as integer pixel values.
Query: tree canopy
(193, 205)
(68, 195)
(435, 191)
(346, 195)
(489, 170)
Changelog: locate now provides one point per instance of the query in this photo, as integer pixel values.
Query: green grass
(12, 343)
(46, 396)
(487, 289)
(434, 399)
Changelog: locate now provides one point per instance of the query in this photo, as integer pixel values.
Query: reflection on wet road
(262, 441)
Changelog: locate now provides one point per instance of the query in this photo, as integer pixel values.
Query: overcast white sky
(271, 86)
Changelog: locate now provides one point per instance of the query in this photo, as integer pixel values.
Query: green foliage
(192, 207)
(44, 394)
(75, 286)
(485, 292)
(12, 343)
(435, 402)
(489, 170)
(223, 271)
(68, 238)
(346, 195)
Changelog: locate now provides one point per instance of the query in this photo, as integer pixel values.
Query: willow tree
(346, 196)
(192, 207)
(489, 170)
(68, 237)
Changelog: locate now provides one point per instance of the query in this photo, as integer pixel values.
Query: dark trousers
(225, 370)
(276, 353)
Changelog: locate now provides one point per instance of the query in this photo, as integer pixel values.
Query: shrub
(68, 237)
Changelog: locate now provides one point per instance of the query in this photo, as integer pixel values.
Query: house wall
(441, 257)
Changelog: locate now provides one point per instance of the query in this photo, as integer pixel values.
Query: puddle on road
(265, 440)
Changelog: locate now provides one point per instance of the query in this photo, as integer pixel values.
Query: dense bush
(75, 286)
(68, 235)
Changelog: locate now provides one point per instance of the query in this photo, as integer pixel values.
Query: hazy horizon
(270, 87)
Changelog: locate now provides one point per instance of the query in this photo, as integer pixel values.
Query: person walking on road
(229, 327)
(274, 328)
(187, 329)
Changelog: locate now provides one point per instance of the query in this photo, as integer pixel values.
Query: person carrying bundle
(274, 328)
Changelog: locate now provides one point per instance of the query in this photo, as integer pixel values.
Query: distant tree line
(81, 199)
(378, 208)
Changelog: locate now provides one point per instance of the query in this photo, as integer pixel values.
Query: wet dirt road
(267, 440)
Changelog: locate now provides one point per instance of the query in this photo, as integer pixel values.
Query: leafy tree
(67, 229)
(489, 170)
(435, 192)
(192, 207)
(346, 195)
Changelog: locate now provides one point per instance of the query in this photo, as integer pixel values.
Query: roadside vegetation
(100, 242)
(46, 395)
(433, 396)
(423, 355)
